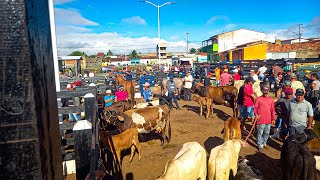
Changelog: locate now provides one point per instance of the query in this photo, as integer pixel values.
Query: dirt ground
(188, 126)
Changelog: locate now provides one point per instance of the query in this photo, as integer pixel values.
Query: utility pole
(187, 43)
(299, 34)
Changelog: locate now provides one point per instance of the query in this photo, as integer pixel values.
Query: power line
(299, 34)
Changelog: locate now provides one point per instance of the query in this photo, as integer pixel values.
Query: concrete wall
(255, 52)
(230, 40)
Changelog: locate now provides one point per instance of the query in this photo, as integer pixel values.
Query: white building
(229, 40)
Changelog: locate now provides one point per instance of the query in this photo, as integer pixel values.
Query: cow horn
(121, 118)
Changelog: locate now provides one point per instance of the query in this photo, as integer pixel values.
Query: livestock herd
(299, 158)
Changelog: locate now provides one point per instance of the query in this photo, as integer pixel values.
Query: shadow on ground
(221, 115)
(212, 142)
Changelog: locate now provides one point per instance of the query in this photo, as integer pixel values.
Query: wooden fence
(81, 149)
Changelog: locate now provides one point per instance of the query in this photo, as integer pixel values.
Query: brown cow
(222, 95)
(148, 119)
(231, 129)
(119, 106)
(128, 86)
(204, 101)
(127, 139)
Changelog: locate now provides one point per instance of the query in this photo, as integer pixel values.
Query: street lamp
(158, 6)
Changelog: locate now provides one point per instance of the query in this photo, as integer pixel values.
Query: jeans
(261, 77)
(187, 94)
(248, 111)
(241, 110)
(217, 82)
(263, 134)
(280, 124)
(296, 130)
(173, 98)
(74, 117)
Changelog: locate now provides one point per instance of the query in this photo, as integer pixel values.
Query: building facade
(163, 50)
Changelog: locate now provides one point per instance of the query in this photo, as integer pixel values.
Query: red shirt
(225, 79)
(247, 99)
(121, 95)
(264, 107)
(237, 77)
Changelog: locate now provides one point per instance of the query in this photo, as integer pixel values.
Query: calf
(222, 159)
(231, 129)
(297, 162)
(314, 146)
(189, 163)
(204, 101)
(247, 171)
(117, 143)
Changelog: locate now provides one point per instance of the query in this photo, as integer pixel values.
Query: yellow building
(250, 51)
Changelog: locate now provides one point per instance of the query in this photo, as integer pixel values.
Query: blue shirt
(129, 77)
(107, 98)
(147, 95)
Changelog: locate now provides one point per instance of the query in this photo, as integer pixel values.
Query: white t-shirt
(255, 77)
(91, 74)
(188, 85)
(262, 70)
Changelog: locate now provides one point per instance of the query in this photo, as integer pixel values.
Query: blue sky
(129, 22)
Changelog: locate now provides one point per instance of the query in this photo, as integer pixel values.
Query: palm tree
(133, 54)
(109, 53)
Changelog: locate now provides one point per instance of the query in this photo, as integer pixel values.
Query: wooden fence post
(29, 128)
(82, 146)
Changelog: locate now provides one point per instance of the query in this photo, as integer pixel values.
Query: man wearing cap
(207, 79)
(172, 91)
(301, 114)
(295, 84)
(121, 94)
(282, 109)
(254, 75)
(188, 84)
(248, 101)
(236, 75)
(225, 78)
(108, 98)
(276, 69)
(128, 76)
(147, 93)
(314, 87)
(265, 115)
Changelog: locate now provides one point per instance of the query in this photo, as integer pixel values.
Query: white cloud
(218, 17)
(62, 1)
(102, 42)
(134, 20)
(71, 17)
(230, 26)
(64, 29)
(174, 37)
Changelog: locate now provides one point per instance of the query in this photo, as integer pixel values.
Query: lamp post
(158, 6)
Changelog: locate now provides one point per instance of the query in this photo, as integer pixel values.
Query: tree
(193, 51)
(133, 54)
(77, 53)
(109, 53)
(92, 56)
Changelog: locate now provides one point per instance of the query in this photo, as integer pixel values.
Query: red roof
(310, 45)
(100, 54)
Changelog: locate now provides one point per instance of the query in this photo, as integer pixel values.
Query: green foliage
(109, 53)
(77, 53)
(193, 51)
(133, 54)
(92, 56)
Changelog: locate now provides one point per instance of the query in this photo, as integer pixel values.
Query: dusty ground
(188, 126)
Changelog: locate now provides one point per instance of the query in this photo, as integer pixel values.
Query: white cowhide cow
(148, 119)
(189, 163)
(222, 159)
(256, 87)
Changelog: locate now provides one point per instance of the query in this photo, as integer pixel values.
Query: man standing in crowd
(300, 111)
(261, 72)
(207, 79)
(275, 70)
(265, 115)
(172, 91)
(314, 90)
(236, 75)
(188, 84)
(146, 92)
(282, 109)
(225, 78)
(295, 84)
(240, 72)
(248, 101)
(254, 75)
(217, 72)
(121, 94)
(108, 98)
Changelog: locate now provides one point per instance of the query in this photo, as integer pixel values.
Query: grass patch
(167, 146)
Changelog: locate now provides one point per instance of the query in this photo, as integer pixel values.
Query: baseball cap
(209, 74)
(288, 90)
(108, 91)
(146, 84)
(121, 87)
(249, 79)
(265, 89)
(225, 70)
(235, 70)
(293, 76)
(287, 83)
(299, 92)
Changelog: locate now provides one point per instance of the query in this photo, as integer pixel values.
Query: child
(265, 115)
